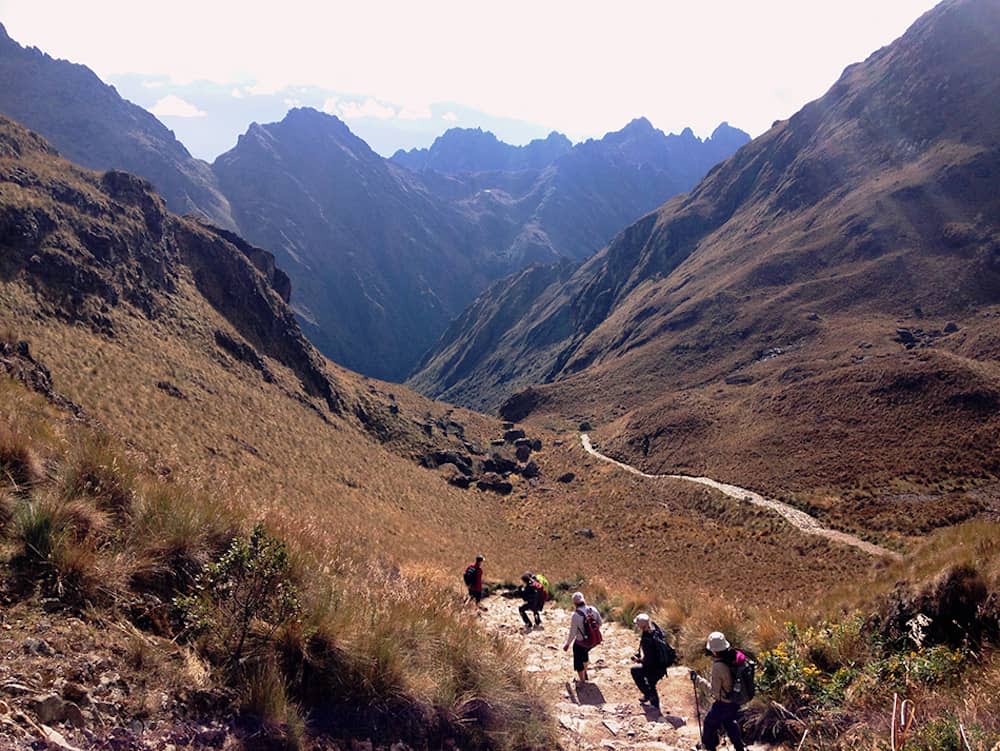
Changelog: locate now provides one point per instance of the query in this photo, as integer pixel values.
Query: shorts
(581, 656)
(476, 594)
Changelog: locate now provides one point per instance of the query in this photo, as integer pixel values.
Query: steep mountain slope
(787, 322)
(92, 125)
(378, 263)
(473, 150)
(382, 258)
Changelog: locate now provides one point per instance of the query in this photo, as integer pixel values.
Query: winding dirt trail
(604, 713)
(798, 519)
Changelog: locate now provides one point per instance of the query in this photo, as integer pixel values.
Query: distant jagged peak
(476, 150)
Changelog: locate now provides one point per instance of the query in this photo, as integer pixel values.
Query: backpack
(540, 592)
(545, 587)
(591, 629)
(666, 655)
(469, 577)
(744, 687)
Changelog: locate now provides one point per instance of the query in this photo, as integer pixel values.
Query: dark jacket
(649, 654)
(532, 595)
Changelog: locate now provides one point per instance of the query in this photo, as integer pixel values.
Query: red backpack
(591, 629)
(543, 595)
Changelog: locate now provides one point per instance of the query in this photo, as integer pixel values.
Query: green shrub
(244, 597)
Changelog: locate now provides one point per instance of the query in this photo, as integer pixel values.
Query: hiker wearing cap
(724, 713)
(534, 599)
(473, 578)
(584, 634)
(653, 664)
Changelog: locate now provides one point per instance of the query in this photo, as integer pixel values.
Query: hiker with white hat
(724, 713)
(655, 655)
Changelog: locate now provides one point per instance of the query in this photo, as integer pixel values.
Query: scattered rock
(13, 688)
(586, 532)
(536, 444)
(56, 739)
(512, 435)
(905, 337)
(38, 647)
(49, 709)
(567, 477)
(459, 480)
(500, 464)
(75, 693)
(74, 716)
(522, 453)
(171, 389)
(530, 470)
(507, 425)
(812, 317)
(585, 426)
(951, 327)
(497, 442)
(494, 482)
(739, 379)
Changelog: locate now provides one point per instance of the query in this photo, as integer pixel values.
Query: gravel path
(799, 519)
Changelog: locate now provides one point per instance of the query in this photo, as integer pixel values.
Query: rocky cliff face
(90, 124)
(88, 243)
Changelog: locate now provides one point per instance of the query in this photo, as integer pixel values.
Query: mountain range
(834, 281)
(382, 254)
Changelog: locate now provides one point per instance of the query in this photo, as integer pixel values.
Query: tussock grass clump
(19, 465)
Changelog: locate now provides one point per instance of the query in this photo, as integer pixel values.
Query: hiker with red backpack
(731, 685)
(584, 634)
(473, 578)
(534, 595)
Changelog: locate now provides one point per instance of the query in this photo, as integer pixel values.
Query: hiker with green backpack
(534, 594)
(655, 655)
(584, 634)
(731, 686)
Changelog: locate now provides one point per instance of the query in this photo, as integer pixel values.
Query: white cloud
(450, 117)
(237, 93)
(370, 108)
(292, 102)
(173, 106)
(330, 105)
(152, 84)
(417, 112)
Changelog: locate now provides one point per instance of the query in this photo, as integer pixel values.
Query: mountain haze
(838, 273)
(473, 150)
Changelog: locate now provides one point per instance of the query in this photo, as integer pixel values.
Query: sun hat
(480, 557)
(717, 642)
(527, 576)
(578, 598)
(640, 619)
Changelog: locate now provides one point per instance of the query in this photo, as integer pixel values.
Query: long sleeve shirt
(721, 684)
(576, 630)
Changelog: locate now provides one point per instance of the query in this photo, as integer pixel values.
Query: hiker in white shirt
(578, 635)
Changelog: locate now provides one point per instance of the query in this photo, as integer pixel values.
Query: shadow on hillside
(584, 693)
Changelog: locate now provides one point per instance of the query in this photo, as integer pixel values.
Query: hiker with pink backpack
(731, 686)
(584, 634)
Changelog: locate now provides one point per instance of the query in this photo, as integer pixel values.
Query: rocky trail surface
(798, 519)
(604, 713)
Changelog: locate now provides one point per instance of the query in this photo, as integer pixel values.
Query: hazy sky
(582, 67)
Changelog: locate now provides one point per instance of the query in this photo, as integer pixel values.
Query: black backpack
(469, 576)
(744, 686)
(665, 654)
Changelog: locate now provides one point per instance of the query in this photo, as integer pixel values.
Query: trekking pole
(697, 707)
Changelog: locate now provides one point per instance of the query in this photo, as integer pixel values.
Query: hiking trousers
(525, 608)
(724, 715)
(646, 679)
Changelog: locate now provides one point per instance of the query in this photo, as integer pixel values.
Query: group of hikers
(730, 684)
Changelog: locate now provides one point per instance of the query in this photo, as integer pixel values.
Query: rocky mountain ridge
(869, 210)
